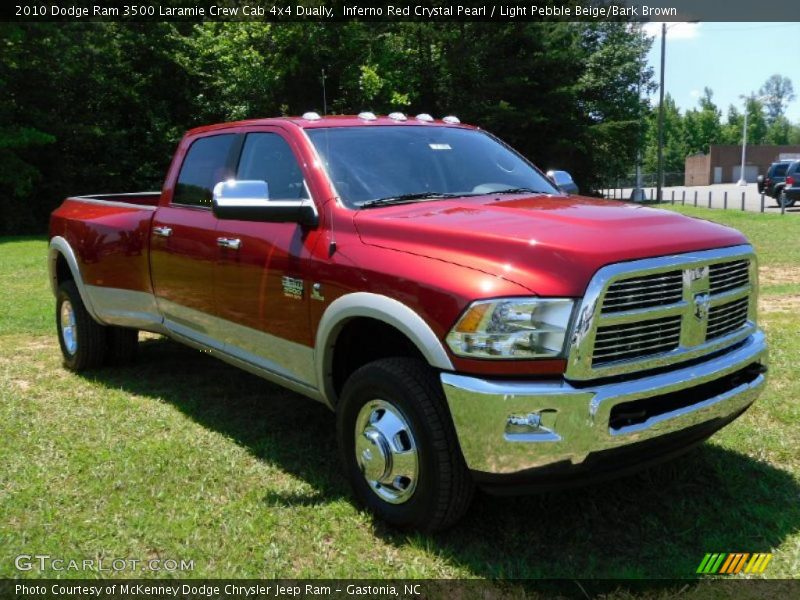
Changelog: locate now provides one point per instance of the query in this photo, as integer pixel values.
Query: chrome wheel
(386, 451)
(68, 328)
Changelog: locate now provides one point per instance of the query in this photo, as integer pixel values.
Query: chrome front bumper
(505, 427)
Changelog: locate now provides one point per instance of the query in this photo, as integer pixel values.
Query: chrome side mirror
(563, 181)
(249, 201)
(231, 191)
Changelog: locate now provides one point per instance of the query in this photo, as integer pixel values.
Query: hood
(552, 245)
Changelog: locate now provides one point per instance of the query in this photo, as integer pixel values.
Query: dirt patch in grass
(778, 275)
(21, 384)
(779, 303)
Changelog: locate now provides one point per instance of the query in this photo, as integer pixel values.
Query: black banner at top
(400, 10)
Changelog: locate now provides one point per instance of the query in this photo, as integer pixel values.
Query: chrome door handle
(162, 231)
(230, 243)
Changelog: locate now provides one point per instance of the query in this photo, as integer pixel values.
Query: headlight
(512, 328)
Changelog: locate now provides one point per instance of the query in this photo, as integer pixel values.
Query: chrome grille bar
(725, 318)
(654, 337)
(651, 313)
(643, 292)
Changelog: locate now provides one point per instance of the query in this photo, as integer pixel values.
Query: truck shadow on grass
(656, 524)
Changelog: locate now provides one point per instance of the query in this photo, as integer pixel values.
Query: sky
(729, 58)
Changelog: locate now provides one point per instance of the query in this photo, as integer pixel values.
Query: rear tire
(399, 447)
(82, 339)
(783, 200)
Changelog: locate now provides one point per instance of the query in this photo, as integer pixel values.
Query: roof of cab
(329, 121)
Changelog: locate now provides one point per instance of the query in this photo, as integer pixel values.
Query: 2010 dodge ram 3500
(469, 323)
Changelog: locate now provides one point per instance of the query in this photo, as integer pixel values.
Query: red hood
(551, 245)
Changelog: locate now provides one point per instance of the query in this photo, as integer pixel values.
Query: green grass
(181, 456)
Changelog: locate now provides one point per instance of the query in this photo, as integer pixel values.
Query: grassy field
(180, 456)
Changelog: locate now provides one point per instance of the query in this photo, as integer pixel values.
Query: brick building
(723, 163)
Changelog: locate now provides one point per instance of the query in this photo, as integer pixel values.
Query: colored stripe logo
(734, 562)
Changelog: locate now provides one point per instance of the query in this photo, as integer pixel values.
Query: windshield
(368, 164)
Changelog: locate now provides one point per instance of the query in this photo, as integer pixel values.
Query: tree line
(99, 107)
(698, 128)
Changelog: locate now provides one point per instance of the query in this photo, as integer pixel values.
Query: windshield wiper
(406, 198)
(519, 190)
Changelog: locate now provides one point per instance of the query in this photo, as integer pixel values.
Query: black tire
(443, 488)
(122, 344)
(88, 346)
(783, 200)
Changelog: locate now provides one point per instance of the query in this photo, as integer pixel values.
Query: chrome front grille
(655, 312)
(633, 340)
(644, 292)
(729, 275)
(727, 318)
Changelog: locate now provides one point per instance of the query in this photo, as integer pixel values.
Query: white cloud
(675, 31)
(695, 93)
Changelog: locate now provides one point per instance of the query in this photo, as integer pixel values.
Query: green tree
(756, 123)
(703, 126)
(778, 131)
(612, 84)
(675, 148)
(778, 92)
(100, 106)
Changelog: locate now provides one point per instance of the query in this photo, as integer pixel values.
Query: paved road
(752, 199)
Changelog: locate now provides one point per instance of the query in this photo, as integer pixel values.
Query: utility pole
(742, 179)
(660, 173)
(637, 195)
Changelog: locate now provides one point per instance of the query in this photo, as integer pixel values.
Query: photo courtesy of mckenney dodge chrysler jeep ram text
(469, 322)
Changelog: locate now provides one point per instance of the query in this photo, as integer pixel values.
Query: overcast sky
(730, 58)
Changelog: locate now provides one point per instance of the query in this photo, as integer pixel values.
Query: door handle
(230, 243)
(162, 231)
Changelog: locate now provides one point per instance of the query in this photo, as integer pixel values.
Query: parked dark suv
(771, 183)
(790, 192)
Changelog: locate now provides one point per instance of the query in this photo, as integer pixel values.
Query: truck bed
(110, 235)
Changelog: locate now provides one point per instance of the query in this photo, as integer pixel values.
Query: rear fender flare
(60, 247)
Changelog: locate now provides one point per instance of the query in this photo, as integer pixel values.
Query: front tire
(399, 448)
(82, 339)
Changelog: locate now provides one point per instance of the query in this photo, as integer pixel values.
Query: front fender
(381, 308)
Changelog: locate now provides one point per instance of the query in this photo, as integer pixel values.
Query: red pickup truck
(469, 323)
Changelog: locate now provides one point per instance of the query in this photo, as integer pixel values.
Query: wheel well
(63, 272)
(363, 340)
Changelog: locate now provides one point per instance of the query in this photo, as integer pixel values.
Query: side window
(205, 165)
(267, 157)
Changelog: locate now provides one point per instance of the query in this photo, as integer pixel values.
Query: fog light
(532, 427)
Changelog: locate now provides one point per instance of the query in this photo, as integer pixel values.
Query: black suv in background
(790, 191)
(771, 183)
